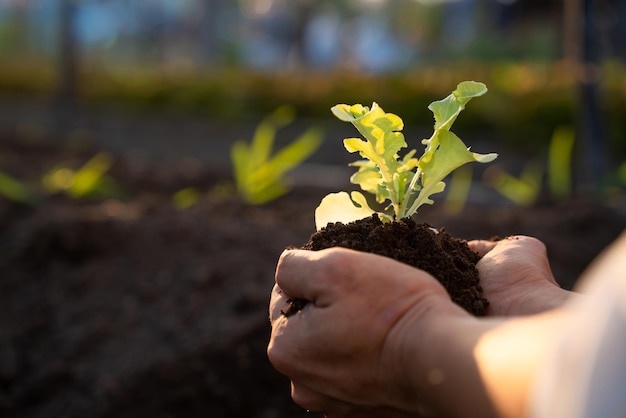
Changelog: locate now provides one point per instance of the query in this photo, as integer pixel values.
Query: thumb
(481, 247)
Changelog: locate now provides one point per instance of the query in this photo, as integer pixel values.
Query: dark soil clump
(447, 258)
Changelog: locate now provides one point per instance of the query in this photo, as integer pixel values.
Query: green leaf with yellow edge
(405, 182)
(341, 207)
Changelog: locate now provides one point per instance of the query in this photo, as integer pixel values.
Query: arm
(595, 342)
(484, 368)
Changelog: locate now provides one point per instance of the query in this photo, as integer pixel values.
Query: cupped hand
(345, 350)
(516, 277)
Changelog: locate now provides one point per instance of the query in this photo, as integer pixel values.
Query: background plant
(526, 189)
(259, 174)
(16, 191)
(89, 180)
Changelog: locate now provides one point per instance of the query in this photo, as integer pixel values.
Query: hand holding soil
(380, 338)
(516, 277)
(362, 308)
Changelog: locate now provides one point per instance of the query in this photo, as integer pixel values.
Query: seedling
(185, 198)
(525, 189)
(404, 183)
(88, 180)
(259, 176)
(560, 162)
(17, 191)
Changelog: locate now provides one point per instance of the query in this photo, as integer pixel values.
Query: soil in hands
(447, 258)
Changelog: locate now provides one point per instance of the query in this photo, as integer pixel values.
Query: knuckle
(306, 399)
(529, 242)
(334, 262)
(277, 358)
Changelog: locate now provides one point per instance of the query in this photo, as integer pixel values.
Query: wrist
(416, 368)
(444, 370)
(468, 367)
(434, 361)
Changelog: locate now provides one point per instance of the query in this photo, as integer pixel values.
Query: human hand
(346, 351)
(516, 277)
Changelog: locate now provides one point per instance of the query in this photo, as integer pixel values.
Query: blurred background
(117, 71)
(137, 243)
(546, 63)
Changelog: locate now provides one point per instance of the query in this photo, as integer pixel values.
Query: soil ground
(128, 307)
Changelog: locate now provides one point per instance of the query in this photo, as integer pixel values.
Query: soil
(127, 307)
(447, 258)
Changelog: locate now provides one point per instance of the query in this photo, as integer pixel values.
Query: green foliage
(90, 180)
(259, 175)
(406, 183)
(621, 172)
(560, 162)
(526, 100)
(185, 198)
(17, 191)
(525, 189)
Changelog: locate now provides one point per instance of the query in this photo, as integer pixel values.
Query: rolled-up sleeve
(584, 375)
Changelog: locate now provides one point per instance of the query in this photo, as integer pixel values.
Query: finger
(309, 274)
(278, 303)
(482, 247)
(314, 401)
(526, 243)
(522, 243)
(308, 399)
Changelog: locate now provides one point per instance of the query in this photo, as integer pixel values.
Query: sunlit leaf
(260, 176)
(405, 182)
(341, 207)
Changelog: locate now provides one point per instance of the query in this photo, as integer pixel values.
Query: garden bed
(128, 307)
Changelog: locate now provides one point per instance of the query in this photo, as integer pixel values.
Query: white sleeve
(585, 374)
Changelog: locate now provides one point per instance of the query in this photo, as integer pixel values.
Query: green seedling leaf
(381, 172)
(523, 190)
(259, 176)
(263, 141)
(406, 183)
(16, 191)
(560, 162)
(621, 173)
(447, 110)
(185, 198)
(341, 207)
(451, 154)
(88, 180)
(89, 176)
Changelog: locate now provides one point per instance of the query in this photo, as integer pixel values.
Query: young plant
(525, 190)
(259, 176)
(16, 191)
(90, 180)
(405, 183)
